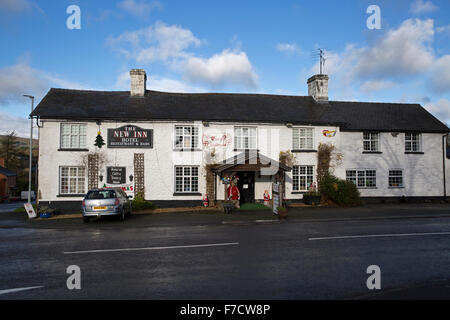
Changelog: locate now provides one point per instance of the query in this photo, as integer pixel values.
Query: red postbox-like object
(205, 200)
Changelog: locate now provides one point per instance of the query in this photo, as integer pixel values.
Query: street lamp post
(31, 148)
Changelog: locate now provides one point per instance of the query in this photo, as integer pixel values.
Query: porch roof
(249, 158)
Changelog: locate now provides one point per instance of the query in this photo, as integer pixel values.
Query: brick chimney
(138, 80)
(318, 87)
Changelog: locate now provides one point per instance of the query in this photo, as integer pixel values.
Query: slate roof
(298, 110)
(6, 172)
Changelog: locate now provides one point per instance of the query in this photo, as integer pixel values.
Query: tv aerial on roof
(321, 54)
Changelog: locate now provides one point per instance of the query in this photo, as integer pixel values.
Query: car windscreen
(101, 194)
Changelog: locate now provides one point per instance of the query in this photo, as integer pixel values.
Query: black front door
(246, 186)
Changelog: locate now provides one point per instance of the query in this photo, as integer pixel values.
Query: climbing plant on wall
(327, 158)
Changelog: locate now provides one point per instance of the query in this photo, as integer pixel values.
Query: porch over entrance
(253, 173)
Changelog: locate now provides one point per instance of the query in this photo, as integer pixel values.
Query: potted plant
(282, 213)
(45, 211)
(312, 197)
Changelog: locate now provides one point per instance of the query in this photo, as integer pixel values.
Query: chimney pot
(138, 81)
(318, 87)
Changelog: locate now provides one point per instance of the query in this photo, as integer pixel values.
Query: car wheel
(122, 215)
(86, 219)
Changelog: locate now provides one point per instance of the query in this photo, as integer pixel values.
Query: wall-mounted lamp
(100, 177)
(289, 125)
(206, 123)
(131, 178)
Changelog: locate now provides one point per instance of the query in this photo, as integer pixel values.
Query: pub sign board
(130, 137)
(116, 175)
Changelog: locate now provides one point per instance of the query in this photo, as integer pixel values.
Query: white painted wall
(423, 174)
(271, 140)
(159, 161)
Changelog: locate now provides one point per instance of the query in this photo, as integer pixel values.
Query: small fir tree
(99, 142)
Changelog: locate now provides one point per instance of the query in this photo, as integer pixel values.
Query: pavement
(318, 253)
(211, 216)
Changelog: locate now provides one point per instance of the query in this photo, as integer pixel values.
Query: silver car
(106, 202)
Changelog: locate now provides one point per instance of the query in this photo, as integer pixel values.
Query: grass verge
(253, 206)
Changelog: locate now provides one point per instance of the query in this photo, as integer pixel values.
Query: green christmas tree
(99, 142)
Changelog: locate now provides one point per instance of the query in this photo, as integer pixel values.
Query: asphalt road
(290, 260)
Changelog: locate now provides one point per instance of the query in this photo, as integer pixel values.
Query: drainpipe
(444, 154)
(215, 188)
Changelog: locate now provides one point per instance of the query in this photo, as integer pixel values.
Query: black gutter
(215, 188)
(444, 154)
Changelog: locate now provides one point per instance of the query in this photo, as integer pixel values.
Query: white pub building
(177, 147)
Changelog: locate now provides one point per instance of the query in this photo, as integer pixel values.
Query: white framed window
(245, 138)
(371, 141)
(396, 178)
(73, 135)
(413, 142)
(186, 137)
(302, 177)
(186, 179)
(72, 180)
(303, 138)
(362, 178)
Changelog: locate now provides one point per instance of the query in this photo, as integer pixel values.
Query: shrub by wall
(342, 192)
(139, 203)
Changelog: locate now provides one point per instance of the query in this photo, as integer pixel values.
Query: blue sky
(226, 46)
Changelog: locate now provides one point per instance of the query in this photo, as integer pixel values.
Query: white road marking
(18, 289)
(156, 248)
(383, 235)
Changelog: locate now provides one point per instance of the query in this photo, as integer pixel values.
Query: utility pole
(31, 148)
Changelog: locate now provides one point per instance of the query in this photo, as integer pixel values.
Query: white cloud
(225, 68)
(15, 6)
(171, 85)
(20, 79)
(284, 92)
(376, 85)
(443, 29)
(155, 43)
(21, 125)
(421, 6)
(440, 81)
(171, 45)
(139, 9)
(440, 109)
(402, 51)
(399, 54)
(157, 83)
(291, 48)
